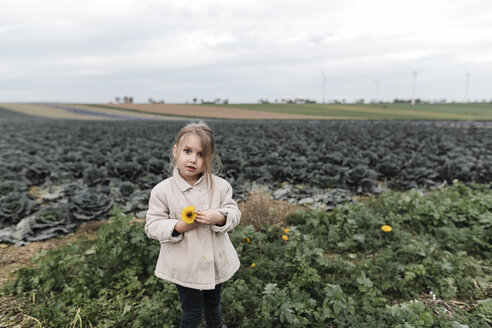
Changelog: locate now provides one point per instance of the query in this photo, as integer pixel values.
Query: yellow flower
(386, 228)
(246, 239)
(188, 214)
(286, 230)
(284, 237)
(252, 265)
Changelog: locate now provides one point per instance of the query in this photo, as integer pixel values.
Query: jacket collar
(181, 182)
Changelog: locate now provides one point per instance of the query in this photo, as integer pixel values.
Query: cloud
(211, 48)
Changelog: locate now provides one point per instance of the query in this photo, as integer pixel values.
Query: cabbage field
(56, 174)
(329, 267)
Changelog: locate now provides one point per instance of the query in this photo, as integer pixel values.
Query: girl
(196, 253)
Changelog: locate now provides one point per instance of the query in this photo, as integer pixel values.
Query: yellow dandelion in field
(284, 237)
(188, 214)
(246, 239)
(286, 230)
(386, 228)
(252, 265)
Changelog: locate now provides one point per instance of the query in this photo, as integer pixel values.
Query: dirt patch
(215, 112)
(35, 193)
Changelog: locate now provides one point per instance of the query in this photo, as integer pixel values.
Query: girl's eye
(200, 154)
(187, 151)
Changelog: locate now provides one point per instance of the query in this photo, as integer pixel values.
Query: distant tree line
(216, 101)
(125, 99)
(152, 101)
(288, 101)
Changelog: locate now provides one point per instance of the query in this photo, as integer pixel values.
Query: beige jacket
(205, 256)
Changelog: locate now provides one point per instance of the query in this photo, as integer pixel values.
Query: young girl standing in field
(190, 214)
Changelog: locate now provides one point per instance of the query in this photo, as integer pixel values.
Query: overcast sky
(95, 50)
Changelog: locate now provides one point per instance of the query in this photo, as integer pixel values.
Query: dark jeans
(195, 301)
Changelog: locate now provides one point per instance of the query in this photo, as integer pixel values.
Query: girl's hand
(210, 217)
(182, 226)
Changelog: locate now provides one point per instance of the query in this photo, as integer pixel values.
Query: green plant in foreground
(336, 269)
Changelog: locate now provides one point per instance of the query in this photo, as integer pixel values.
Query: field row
(446, 112)
(56, 174)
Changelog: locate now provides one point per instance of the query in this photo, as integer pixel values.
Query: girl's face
(189, 159)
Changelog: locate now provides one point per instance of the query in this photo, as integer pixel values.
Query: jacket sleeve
(228, 207)
(158, 224)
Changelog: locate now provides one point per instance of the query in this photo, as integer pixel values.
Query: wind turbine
(467, 84)
(414, 82)
(324, 83)
(376, 89)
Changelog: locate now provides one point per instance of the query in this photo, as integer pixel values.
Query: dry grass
(12, 313)
(260, 209)
(451, 306)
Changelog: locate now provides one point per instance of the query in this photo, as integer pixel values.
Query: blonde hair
(206, 136)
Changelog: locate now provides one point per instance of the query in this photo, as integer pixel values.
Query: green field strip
(417, 113)
(389, 111)
(458, 111)
(308, 110)
(476, 109)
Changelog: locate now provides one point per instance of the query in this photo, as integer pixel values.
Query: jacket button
(204, 191)
(205, 207)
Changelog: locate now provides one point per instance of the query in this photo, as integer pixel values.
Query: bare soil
(214, 112)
